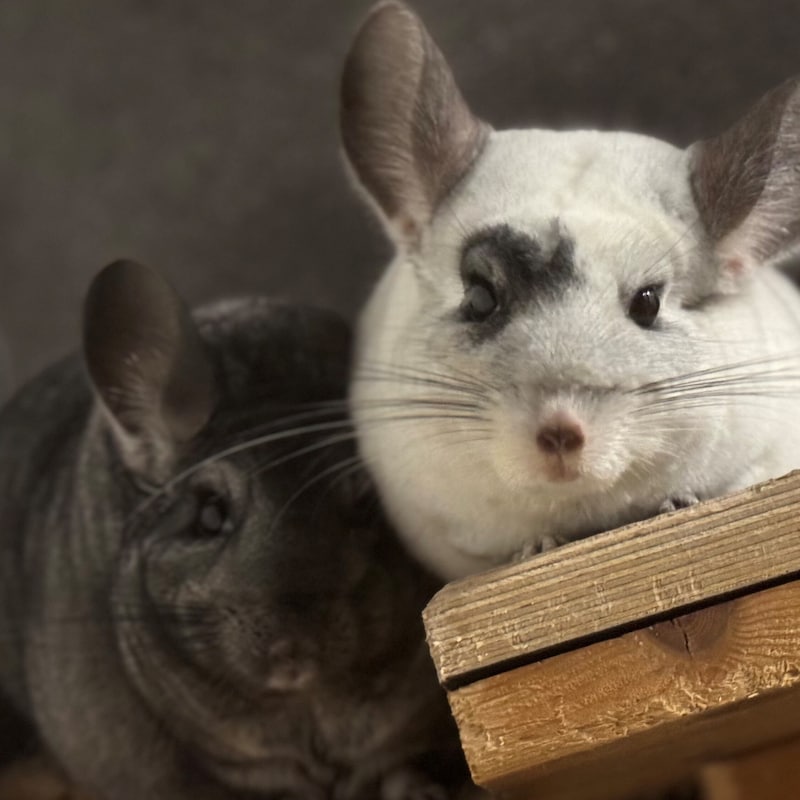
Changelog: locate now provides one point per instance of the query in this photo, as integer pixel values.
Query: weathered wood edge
(598, 586)
(639, 710)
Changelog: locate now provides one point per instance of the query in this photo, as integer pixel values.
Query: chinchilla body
(190, 605)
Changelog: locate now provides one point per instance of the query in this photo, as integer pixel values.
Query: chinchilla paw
(681, 500)
(410, 785)
(542, 545)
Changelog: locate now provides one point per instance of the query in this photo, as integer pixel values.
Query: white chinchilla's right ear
(149, 367)
(406, 130)
(746, 184)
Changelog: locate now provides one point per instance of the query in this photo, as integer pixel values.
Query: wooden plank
(641, 710)
(769, 774)
(595, 587)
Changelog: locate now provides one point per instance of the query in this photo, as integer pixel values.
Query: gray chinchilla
(184, 614)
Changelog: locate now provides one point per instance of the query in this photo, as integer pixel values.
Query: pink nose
(563, 437)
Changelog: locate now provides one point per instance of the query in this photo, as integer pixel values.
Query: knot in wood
(691, 634)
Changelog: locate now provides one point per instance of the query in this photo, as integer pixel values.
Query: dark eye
(213, 516)
(644, 306)
(480, 301)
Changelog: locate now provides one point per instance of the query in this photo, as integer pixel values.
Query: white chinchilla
(578, 329)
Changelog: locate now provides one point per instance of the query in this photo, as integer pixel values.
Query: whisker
(333, 469)
(722, 370)
(423, 377)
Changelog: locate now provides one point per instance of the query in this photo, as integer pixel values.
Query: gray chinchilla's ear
(746, 183)
(148, 364)
(406, 130)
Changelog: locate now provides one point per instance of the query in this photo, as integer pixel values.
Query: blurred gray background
(200, 136)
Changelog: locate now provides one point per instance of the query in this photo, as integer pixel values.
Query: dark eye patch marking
(515, 266)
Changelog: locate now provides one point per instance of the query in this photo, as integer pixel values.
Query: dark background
(200, 135)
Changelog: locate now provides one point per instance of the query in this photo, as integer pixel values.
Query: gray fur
(283, 657)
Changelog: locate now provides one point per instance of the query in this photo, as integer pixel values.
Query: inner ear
(406, 130)
(746, 182)
(147, 362)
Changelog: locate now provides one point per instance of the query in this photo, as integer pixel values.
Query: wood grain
(641, 710)
(596, 587)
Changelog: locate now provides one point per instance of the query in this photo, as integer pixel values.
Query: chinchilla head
(551, 291)
(252, 606)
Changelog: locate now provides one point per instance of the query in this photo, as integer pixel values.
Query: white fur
(465, 499)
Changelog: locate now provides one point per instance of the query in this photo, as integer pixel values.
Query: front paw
(541, 545)
(680, 500)
(410, 785)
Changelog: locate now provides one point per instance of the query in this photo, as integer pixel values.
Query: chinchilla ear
(148, 365)
(407, 132)
(746, 183)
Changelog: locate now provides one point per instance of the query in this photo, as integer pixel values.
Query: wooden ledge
(604, 585)
(644, 710)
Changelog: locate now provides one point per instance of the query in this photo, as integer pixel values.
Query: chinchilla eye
(480, 301)
(213, 516)
(644, 306)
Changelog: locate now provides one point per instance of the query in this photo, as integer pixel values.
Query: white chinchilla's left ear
(407, 132)
(746, 183)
